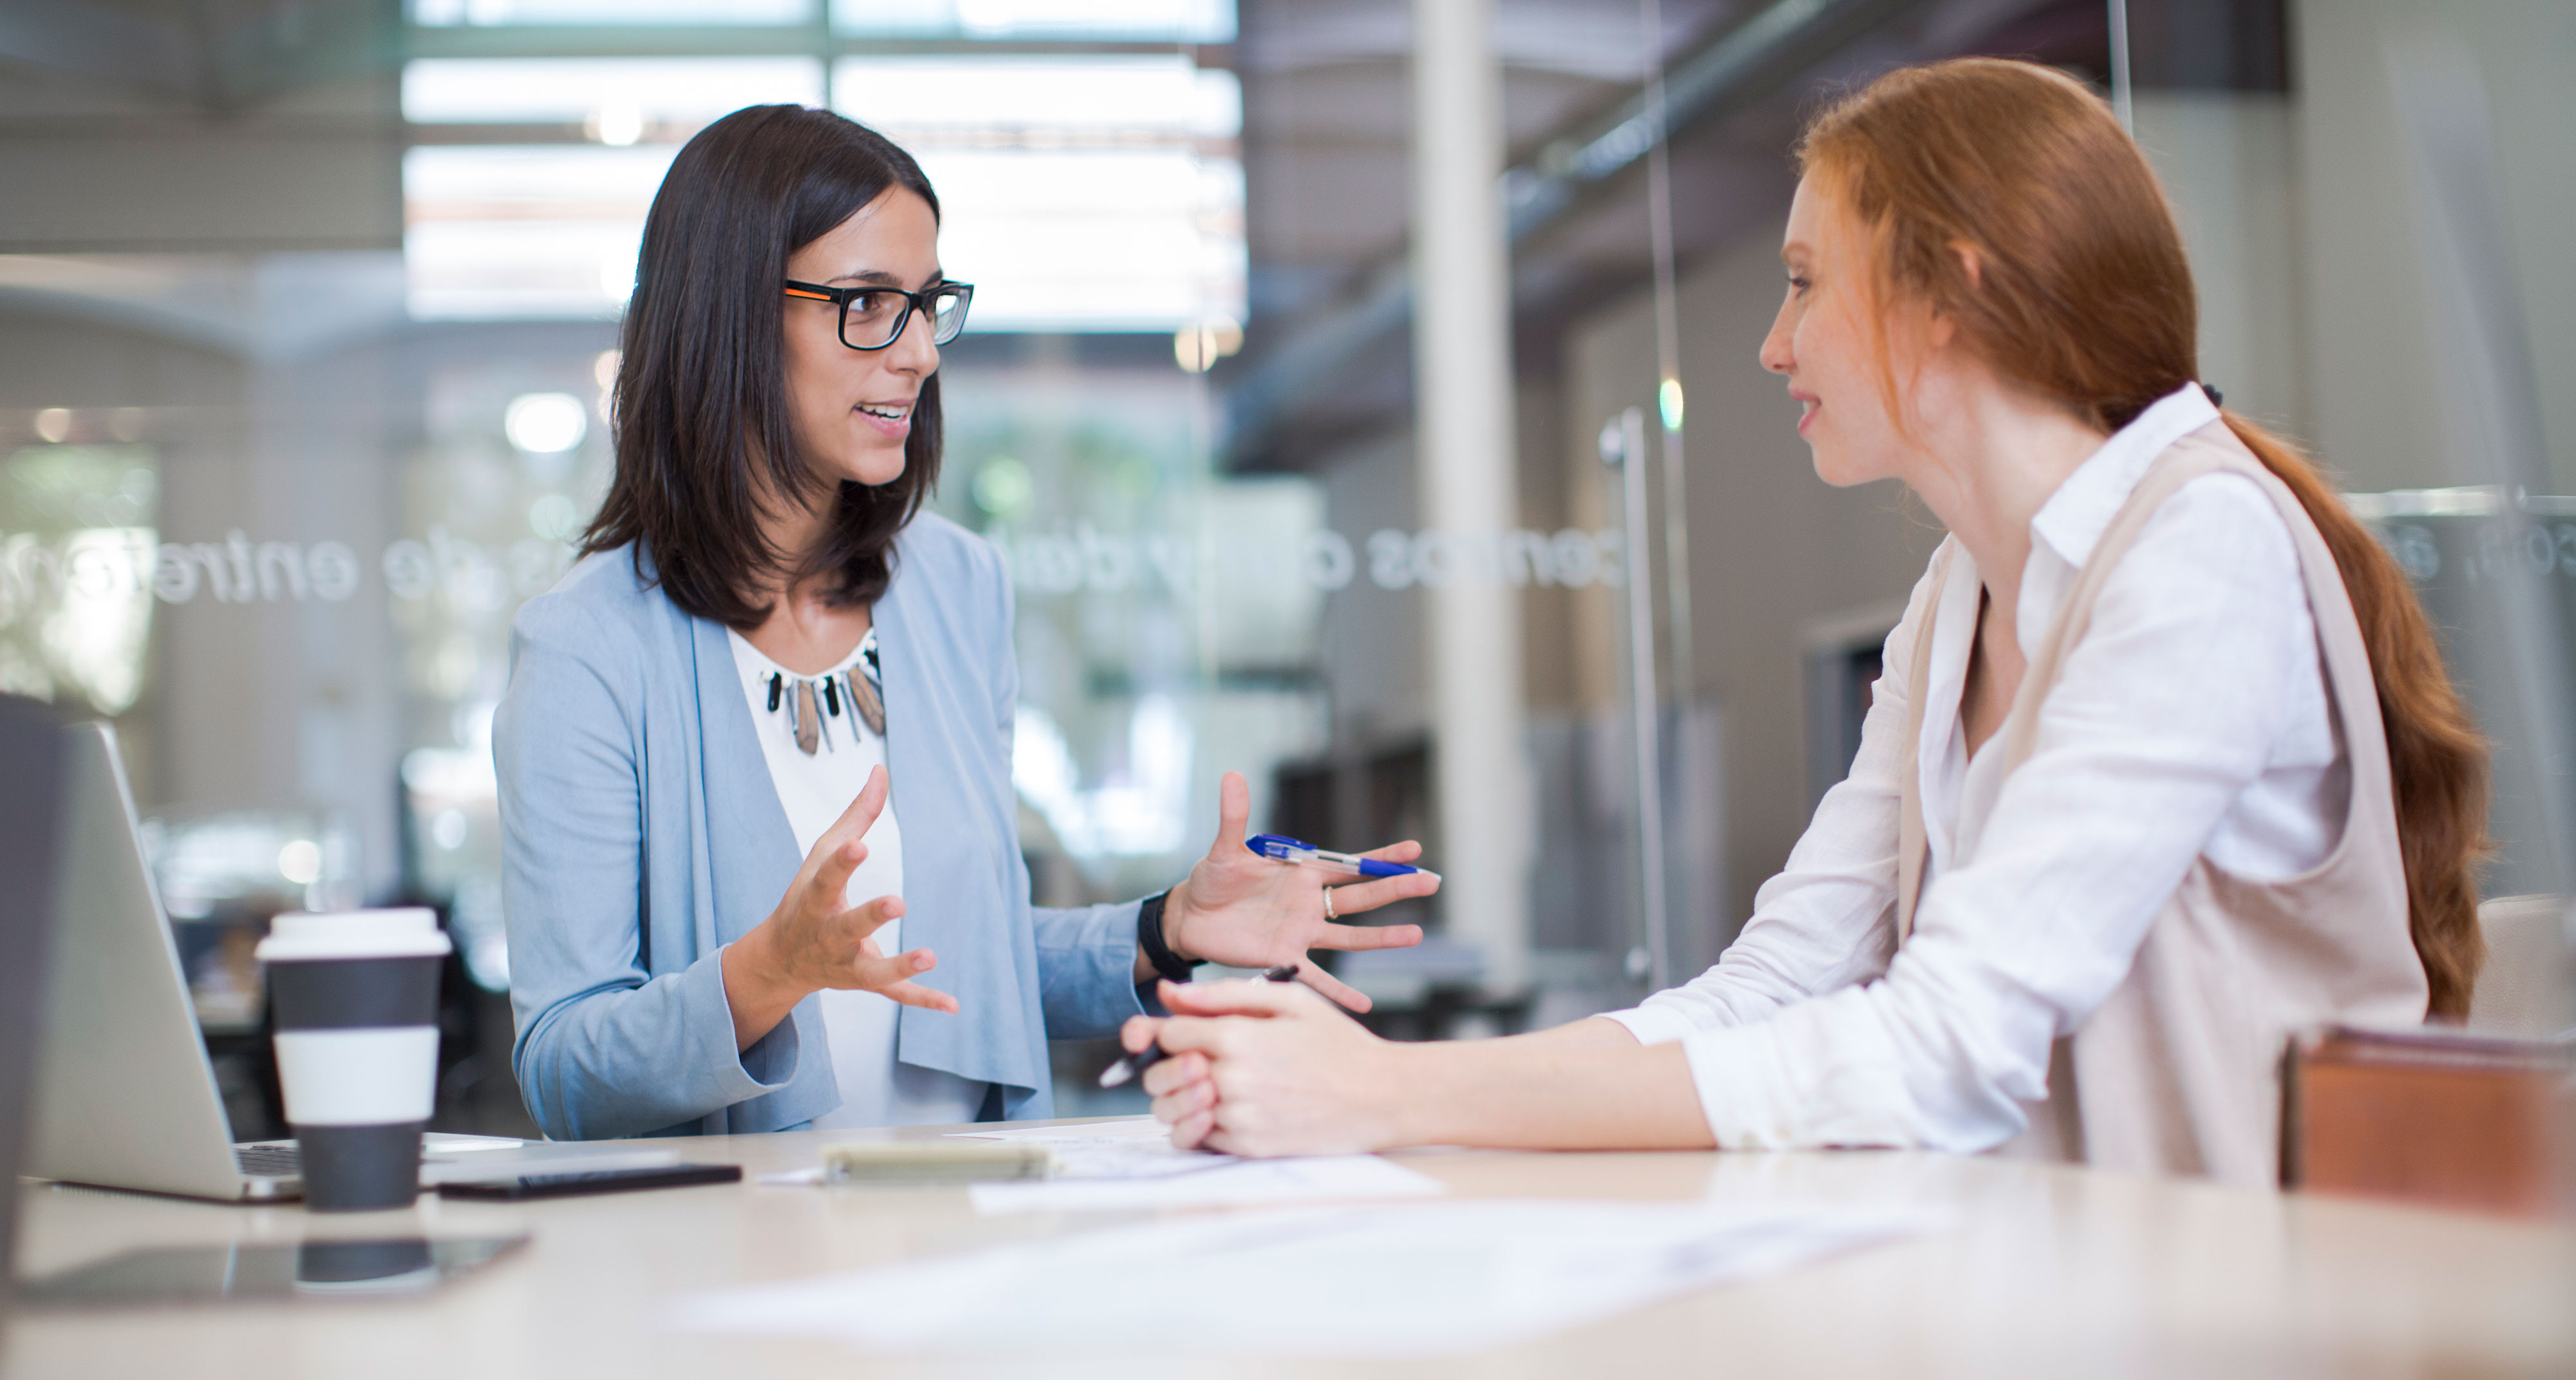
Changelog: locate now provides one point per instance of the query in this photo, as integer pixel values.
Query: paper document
(1140, 1148)
(1390, 1281)
(1125, 1128)
(1229, 1183)
(1131, 1166)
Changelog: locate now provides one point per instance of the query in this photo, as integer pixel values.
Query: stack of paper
(1131, 1166)
(1389, 1281)
(1136, 1148)
(1244, 1183)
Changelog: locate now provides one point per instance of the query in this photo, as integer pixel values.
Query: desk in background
(2051, 1271)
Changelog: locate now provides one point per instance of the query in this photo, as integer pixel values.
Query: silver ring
(1328, 905)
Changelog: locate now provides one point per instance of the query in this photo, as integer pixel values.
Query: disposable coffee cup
(354, 999)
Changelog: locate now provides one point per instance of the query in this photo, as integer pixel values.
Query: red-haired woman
(2163, 765)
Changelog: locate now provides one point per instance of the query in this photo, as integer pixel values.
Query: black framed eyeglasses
(873, 316)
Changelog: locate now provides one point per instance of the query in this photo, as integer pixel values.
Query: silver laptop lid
(124, 1094)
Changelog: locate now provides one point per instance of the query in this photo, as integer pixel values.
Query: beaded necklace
(811, 704)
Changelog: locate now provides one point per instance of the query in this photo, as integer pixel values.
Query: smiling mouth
(892, 412)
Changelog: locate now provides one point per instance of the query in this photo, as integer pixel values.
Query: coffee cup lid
(302, 937)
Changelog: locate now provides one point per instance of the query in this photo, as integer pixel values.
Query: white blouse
(877, 1089)
(2191, 719)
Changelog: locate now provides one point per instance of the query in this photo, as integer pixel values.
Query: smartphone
(527, 1186)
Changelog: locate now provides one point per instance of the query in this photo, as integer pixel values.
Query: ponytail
(2436, 758)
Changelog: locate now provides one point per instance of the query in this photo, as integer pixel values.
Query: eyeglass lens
(873, 319)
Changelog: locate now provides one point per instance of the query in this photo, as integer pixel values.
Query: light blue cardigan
(641, 833)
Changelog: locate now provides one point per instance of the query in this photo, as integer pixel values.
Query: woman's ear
(1945, 326)
(1971, 264)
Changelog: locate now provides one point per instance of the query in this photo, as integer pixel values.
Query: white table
(2052, 1271)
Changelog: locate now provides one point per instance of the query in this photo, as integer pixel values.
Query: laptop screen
(31, 757)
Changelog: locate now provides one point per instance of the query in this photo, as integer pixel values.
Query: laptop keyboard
(269, 1161)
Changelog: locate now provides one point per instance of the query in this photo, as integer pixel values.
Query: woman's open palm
(823, 941)
(1247, 911)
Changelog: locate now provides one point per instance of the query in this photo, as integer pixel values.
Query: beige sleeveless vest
(2178, 1073)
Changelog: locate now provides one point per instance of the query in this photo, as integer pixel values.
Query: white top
(2191, 719)
(876, 1088)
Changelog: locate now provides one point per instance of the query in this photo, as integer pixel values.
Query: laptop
(31, 745)
(125, 1096)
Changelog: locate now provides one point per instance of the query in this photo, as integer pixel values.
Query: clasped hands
(1236, 908)
(1256, 1068)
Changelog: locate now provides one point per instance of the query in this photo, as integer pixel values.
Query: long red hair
(2082, 293)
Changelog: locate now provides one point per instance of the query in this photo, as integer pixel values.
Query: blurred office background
(1364, 396)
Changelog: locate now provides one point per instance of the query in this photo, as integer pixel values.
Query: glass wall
(2370, 192)
(302, 394)
(273, 509)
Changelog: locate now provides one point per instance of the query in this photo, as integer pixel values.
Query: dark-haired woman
(2163, 766)
(768, 656)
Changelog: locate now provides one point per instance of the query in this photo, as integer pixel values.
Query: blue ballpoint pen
(1286, 849)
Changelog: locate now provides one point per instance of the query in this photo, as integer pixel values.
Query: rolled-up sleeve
(605, 1047)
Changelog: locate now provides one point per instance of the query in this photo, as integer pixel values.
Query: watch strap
(1149, 937)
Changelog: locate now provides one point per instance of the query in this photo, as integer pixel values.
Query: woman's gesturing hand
(1257, 1068)
(816, 939)
(1247, 911)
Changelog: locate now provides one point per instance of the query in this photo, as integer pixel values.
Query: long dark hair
(2086, 297)
(701, 393)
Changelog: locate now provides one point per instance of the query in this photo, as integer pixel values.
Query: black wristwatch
(1149, 937)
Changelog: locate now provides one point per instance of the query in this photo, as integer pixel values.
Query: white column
(1463, 441)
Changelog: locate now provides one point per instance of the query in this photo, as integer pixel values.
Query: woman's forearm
(1585, 1086)
(756, 991)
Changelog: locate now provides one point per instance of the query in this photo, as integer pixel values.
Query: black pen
(1118, 1073)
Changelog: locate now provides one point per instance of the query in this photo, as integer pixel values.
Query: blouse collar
(2073, 519)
